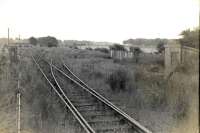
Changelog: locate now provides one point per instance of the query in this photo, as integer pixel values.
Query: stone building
(172, 56)
(175, 54)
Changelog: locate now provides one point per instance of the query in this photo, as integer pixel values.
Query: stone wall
(190, 58)
(176, 55)
(172, 56)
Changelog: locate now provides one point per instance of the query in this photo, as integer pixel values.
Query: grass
(158, 104)
(7, 98)
(183, 101)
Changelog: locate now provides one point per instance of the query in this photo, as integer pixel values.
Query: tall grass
(182, 92)
(163, 106)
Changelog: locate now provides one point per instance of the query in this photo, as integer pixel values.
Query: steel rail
(70, 103)
(86, 127)
(134, 123)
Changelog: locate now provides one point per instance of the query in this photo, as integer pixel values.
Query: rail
(135, 124)
(67, 102)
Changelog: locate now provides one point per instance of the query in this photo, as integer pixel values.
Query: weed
(118, 80)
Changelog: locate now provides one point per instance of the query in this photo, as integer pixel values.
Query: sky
(98, 20)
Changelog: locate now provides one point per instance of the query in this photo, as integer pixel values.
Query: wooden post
(19, 90)
(18, 112)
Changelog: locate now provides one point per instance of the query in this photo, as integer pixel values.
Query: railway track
(93, 112)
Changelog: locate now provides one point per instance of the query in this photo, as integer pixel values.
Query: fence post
(18, 112)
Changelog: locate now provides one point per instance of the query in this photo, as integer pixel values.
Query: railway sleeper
(92, 106)
(96, 113)
(95, 124)
(76, 100)
(87, 105)
(104, 118)
(80, 98)
(114, 129)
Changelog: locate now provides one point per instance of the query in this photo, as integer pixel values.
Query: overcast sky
(98, 20)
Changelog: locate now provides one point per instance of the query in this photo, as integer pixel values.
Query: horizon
(103, 21)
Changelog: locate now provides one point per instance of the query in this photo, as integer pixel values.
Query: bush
(118, 80)
(33, 41)
(190, 38)
(48, 41)
(88, 48)
(103, 50)
(181, 109)
(117, 47)
(160, 47)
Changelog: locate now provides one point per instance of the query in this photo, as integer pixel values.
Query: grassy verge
(137, 88)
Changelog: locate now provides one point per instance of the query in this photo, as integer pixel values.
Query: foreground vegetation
(140, 89)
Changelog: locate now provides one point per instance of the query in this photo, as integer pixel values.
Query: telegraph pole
(19, 102)
(18, 93)
(8, 36)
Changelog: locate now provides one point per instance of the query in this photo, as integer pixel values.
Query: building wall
(190, 58)
(175, 54)
(172, 56)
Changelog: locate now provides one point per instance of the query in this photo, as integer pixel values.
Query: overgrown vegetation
(118, 80)
(104, 50)
(138, 88)
(160, 47)
(190, 38)
(48, 41)
(33, 41)
(117, 47)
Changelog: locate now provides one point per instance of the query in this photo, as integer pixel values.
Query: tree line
(48, 41)
(188, 38)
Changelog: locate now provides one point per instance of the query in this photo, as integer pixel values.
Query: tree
(160, 47)
(104, 50)
(118, 80)
(117, 47)
(136, 51)
(33, 40)
(190, 38)
(48, 41)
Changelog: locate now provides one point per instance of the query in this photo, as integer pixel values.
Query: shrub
(118, 80)
(75, 47)
(117, 47)
(103, 50)
(33, 40)
(88, 48)
(48, 41)
(160, 47)
(181, 109)
(157, 99)
(160, 62)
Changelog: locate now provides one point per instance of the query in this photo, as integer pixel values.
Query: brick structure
(175, 54)
(172, 56)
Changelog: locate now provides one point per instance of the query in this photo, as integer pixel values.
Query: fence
(119, 54)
